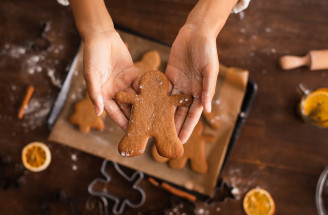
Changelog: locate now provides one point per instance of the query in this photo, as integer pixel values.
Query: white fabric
(240, 6)
(63, 2)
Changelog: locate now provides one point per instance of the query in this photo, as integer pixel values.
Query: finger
(180, 113)
(171, 88)
(210, 76)
(192, 119)
(135, 84)
(180, 117)
(115, 113)
(126, 109)
(94, 91)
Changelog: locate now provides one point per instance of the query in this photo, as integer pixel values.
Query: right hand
(108, 69)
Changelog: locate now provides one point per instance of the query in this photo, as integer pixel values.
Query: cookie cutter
(321, 196)
(119, 206)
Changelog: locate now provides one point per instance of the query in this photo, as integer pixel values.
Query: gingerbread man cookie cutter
(119, 205)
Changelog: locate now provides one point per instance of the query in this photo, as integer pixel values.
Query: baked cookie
(152, 115)
(211, 119)
(85, 116)
(194, 151)
(156, 156)
(149, 61)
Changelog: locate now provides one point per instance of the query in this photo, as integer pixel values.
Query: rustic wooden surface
(275, 150)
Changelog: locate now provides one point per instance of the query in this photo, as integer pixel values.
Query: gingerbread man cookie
(150, 61)
(152, 115)
(85, 116)
(156, 156)
(194, 151)
(211, 119)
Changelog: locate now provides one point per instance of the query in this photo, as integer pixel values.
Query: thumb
(210, 76)
(93, 82)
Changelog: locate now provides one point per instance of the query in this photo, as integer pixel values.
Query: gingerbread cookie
(150, 61)
(194, 151)
(85, 116)
(211, 119)
(156, 156)
(152, 115)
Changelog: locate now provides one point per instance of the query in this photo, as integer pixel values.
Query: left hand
(193, 67)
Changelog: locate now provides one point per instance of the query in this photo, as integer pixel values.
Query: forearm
(211, 15)
(91, 16)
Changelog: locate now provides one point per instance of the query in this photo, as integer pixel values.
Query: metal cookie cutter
(119, 206)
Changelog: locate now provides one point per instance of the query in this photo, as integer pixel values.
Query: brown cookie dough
(194, 151)
(150, 61)
(85, 116)
(152, 115)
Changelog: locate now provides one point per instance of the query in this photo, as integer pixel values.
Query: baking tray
(245, 108)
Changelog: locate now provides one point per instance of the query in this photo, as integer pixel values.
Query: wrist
(91, 17)
(199, 30)
(199, 23)
(89, 32)
(210, 15)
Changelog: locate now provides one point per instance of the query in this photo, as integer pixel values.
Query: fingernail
(209, 107)
(183, 141)
(96, 110)
(101, 104)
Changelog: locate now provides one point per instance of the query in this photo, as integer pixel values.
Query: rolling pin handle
(288, 62)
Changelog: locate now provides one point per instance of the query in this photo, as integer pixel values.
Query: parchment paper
(231, 87)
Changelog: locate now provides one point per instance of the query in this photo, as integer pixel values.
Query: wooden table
(275, 150)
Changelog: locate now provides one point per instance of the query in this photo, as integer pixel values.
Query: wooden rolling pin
(315, 60)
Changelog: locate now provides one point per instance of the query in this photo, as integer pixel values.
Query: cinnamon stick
(26, 100)
(153, 181)
(178, 192)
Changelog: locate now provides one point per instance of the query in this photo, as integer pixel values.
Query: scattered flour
(73, 157)
(36, 113)
(13, 50)
(268, 30)
(241, 15)
(55, 81)
(217, 101)
(35, 63)
(74, 167)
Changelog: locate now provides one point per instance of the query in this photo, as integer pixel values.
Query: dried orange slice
(259, 202)
(314, 107)
(36, 156)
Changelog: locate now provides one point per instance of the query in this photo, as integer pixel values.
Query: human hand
(108, 68)
(193, 68)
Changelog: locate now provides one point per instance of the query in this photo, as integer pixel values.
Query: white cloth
(63, 2)
(240, 6)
